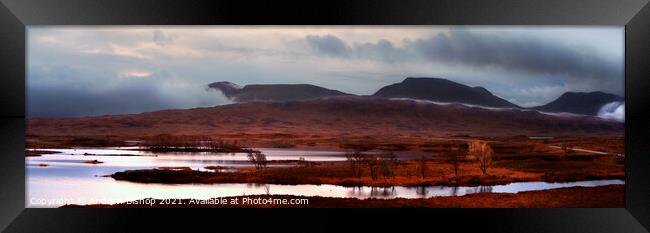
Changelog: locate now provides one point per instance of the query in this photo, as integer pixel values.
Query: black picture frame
(16, 15)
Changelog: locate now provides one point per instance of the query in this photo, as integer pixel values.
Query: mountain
(331, 119)
(273, 92)
(442, 90)
(580, 102)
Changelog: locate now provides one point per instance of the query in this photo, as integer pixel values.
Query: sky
(100, 70)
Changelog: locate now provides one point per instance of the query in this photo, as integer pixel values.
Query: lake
(68, 180)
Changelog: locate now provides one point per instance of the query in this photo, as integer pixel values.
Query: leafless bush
(355, 160)
(422, 166)
(483, 153)
(388, 164)
(454, 156)
(372, 162)
(257, 158)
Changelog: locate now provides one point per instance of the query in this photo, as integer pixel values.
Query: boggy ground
(551, 166)
(610, 196)
(516, 159)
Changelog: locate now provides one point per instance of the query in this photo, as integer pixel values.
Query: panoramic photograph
(325, 117)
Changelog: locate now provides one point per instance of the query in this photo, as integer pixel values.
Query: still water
(68, 180)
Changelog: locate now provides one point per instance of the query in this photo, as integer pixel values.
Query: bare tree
(258, 159)
(455, 156)
(373, 164)
(355, 161)
(388, 164)
(422, 166)
(483, 153)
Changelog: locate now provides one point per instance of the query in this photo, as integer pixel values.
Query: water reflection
(375, 192)
(125, 158)
(383, 191)
(479, 189)
(454, 191)
(107, 190)
(421, 191)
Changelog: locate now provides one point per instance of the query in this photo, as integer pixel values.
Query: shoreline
(404, 143)
(609, 196)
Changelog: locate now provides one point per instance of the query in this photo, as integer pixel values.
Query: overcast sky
(81, 71)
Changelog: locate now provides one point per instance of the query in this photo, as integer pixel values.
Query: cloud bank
(137, 93)
(614, 110)
(527, 54)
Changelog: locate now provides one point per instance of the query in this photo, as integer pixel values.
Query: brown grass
(329, 122)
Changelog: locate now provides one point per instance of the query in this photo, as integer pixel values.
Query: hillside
(442, 90)
(273, 92)
(335, 118)
(585, 103)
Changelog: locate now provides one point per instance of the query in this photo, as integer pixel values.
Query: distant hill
(432, 89)
(442, 90)
(585, 103)
(331, 119)
(273, 92)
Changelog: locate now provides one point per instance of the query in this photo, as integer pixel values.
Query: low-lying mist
(613, 110)
(129, 96)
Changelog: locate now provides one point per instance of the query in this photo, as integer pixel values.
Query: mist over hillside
(437, 90)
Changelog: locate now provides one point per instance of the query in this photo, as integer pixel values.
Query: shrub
(483, 153)
(257, 158)
(388, 164)
(454, 156)
(373, 164)
(355, 160)
(422, 166)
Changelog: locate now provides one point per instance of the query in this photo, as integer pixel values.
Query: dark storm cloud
(49, 101)
(72, 102)
(382, 50)
(328, 44)
(463, 47)
(517, 53)
(72, 97)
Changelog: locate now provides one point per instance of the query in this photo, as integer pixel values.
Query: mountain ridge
(273, 92)
(420, 88)
(442, 90)
(584, 103)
